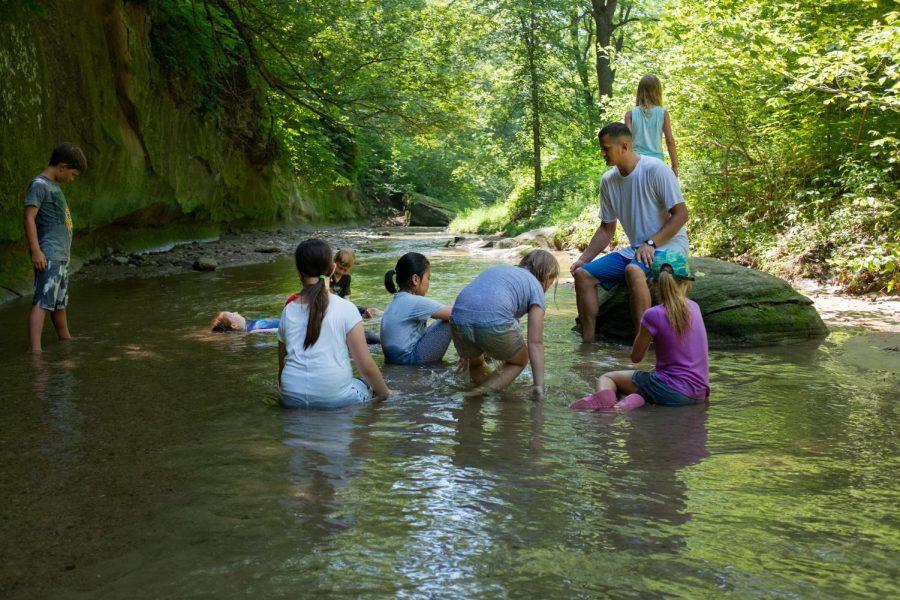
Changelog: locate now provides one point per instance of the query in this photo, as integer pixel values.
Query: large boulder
(422, 210)
(536, 238)
(741, 308)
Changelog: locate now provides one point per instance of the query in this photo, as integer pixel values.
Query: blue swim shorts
(357, 393)
(609, 269)
(656, 391)
(51, 286)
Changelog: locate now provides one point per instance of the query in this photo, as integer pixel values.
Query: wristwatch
(651, 243)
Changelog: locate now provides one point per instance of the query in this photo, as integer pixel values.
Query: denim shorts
(501, 341)
(357, 393)
(51, 286)
(609, 269)
(656, 391)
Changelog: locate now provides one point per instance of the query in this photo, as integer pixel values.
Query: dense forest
(786, 112)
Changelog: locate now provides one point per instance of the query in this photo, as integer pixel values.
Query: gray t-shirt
(641, 202)
(403, 324)
(501, 294)
(53, 221)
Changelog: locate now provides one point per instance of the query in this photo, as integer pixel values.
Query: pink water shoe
(601, 400)
(631, 402)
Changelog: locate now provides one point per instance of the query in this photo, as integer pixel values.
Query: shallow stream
(148, 459)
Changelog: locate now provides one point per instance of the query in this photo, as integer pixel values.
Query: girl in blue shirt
(405, 337)
(649, 122)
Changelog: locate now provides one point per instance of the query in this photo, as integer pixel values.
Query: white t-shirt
(641, 201)
(322, 371)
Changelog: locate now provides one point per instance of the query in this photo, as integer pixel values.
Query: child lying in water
(233, 321)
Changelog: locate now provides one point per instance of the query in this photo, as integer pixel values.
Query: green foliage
(786, 116)
(785, 111)
(195, 61)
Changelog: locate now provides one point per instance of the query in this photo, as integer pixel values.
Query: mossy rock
(426, 211)
(741, 308)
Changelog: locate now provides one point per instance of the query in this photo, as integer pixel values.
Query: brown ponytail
(672, 294)
(313, 258)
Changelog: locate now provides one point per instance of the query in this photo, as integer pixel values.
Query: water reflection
(327, 451)
(52, 386)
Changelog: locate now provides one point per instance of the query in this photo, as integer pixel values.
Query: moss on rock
(94, 80)
(741, 307)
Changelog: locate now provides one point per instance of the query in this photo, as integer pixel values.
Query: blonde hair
(541, 264)
(649, 92)
(672, 295)
(345, 257)
(221, 322)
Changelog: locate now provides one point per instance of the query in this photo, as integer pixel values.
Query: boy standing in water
(48, 231)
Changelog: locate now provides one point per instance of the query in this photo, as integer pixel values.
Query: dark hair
(411, 263)
(616, 131)
(313, 258)
(71, 155)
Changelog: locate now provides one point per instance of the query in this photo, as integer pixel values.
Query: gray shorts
(51, 286)
(497, 341)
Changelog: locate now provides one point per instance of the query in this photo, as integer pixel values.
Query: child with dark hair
(405, 337)
(317, 334)
(48, 231)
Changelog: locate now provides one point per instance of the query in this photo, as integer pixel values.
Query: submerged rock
(741, 307)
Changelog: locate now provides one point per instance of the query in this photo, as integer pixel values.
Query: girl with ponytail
(317, 334)
(676, 328)
(405, 336)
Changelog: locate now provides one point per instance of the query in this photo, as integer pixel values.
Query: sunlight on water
(149, 459)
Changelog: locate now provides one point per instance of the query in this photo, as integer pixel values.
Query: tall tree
(610, 16)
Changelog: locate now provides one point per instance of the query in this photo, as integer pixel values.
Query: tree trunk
(579, 57)
(603, 11)
(529, 29)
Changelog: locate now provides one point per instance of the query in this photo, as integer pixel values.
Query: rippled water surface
(148, 460)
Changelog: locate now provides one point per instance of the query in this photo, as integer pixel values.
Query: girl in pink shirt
(675, 326)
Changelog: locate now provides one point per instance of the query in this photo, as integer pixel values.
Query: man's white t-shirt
(641, 201)
(322, 371)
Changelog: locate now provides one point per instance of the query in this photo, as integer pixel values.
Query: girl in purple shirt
(676, 328)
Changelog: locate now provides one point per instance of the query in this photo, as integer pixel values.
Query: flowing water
(148, 459)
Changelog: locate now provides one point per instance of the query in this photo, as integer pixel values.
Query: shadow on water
(148, 459)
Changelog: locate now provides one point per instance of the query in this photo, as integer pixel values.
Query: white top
(641, 201)
(322, 371)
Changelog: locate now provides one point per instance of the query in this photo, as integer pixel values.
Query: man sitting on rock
(643, 193)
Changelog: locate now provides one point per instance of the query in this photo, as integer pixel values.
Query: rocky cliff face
(84, 71)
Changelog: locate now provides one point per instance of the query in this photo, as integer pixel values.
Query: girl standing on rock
(404, 336)
(649, 122)
(676, 328)
(317, 334)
